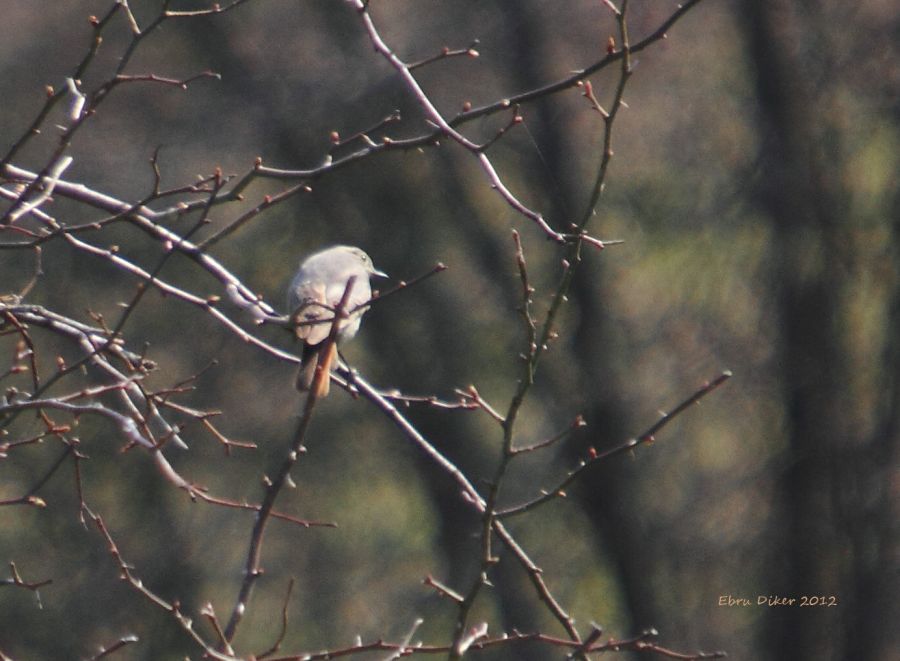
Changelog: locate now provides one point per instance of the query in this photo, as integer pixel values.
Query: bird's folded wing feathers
(316, 302)
(312, 305)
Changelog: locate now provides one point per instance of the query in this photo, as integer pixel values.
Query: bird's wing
(312, 305)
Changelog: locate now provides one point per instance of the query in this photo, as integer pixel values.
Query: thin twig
(127, 573)
(446, 52)
(284, 623)
(473, 498)
(174, 82)
(442, 589)
(252, 569)
(575, 424)
(16, 580)
(510, 641)
(595, 458)
(115, 647)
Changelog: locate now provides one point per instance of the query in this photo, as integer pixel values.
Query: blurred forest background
(754, 184)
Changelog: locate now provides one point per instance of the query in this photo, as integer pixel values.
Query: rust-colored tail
(307, 373)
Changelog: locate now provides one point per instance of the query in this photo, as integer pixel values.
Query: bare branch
(16, 580)
(577, 423)
(442, 589)
(445, 53)
(153, 78)
(127, 573)
(150, 415)
(284, 624)
(595, 457)
(115, 647)
(216, 8)
(252, 568)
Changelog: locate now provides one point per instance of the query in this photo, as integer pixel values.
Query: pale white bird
(313, 296)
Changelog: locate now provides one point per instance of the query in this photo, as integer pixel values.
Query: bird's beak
(380, 274)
